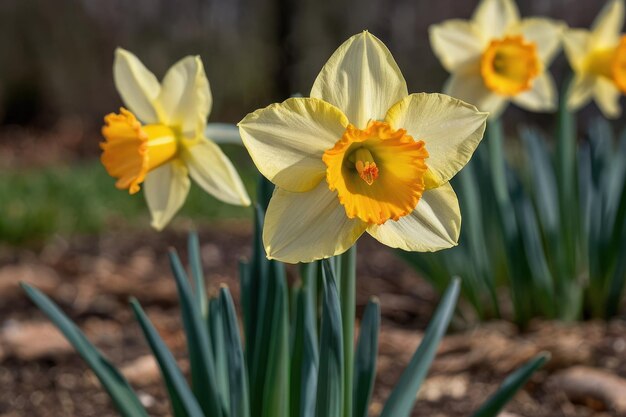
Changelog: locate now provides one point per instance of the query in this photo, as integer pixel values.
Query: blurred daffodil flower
(158, 139)
(496, 57)
(361, 154)
(598, 58)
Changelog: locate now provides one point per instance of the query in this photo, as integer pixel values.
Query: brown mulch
(92, 278)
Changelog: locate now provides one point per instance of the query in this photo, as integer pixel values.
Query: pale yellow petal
(606, 28)
(361, 79)
(581, 91)
(457, 44)
(495, 17)
(576, 45)
(471, 89)
(213, 171)
(287, 140)
(166, 189)
(186, 96)
(542, 96)
(138, 87)
(606, 95)
(303, 227)
(434, 224)
(450, 128)
(545, 33)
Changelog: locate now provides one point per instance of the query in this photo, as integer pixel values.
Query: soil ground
(91, 278)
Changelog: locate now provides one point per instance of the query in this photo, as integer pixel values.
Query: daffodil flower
(361, 154)
(158, 139)
(598, 58)
(496, 57)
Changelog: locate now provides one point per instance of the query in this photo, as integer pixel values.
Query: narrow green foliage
(603, 194)
(479, 278)
(201, 355)
(195, 262)
(400, 402)
(237, 375)
(365, 359)
(275, 341)
(551, 230)
(266, 323)
(219, 349)
(311, 277)
(512, 384)
(265, 189)
(288, 367)
(533, 250)
(301, 377)
(543, 180)
(184, 403)
(509, 228)
(347, 283)
(118, 388)
(329, 400)
(565, 164)
(252, 276)
(304, 357)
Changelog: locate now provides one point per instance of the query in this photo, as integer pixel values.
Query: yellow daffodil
(361, 154)
(598, 58)
(168, 145)
(496, 57)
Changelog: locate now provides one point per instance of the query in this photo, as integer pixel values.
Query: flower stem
(348, 311)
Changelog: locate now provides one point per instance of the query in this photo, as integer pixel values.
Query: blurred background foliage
(56, 83)
(57, 56)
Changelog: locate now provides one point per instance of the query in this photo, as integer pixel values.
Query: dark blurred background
(56, 73)
(56, 56)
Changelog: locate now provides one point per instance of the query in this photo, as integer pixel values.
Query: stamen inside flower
(365, 165)
(378, 172)
(508, 66)
(132, 150)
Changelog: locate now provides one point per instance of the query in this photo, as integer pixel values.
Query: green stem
(506, 216)
(566, 160)
(310, 275)
(348, 312)
(497, 161)
(198, 276)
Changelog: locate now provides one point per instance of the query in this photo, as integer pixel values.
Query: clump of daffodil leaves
(359, 155)
(158, 139)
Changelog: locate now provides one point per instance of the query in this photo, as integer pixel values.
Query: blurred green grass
(80, 198)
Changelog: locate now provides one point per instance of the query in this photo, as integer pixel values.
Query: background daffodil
(496, 57)
(361, 154)
(158, 139)
(598, 58)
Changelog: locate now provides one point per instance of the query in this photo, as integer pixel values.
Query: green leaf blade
(330, 390)
(347, 299)
(195, 262)
(402, 398)
(184, 403)
(237, 375)
(365, 359)
(124, 398)
(512, 384)
(304, 358)
(203, 372)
